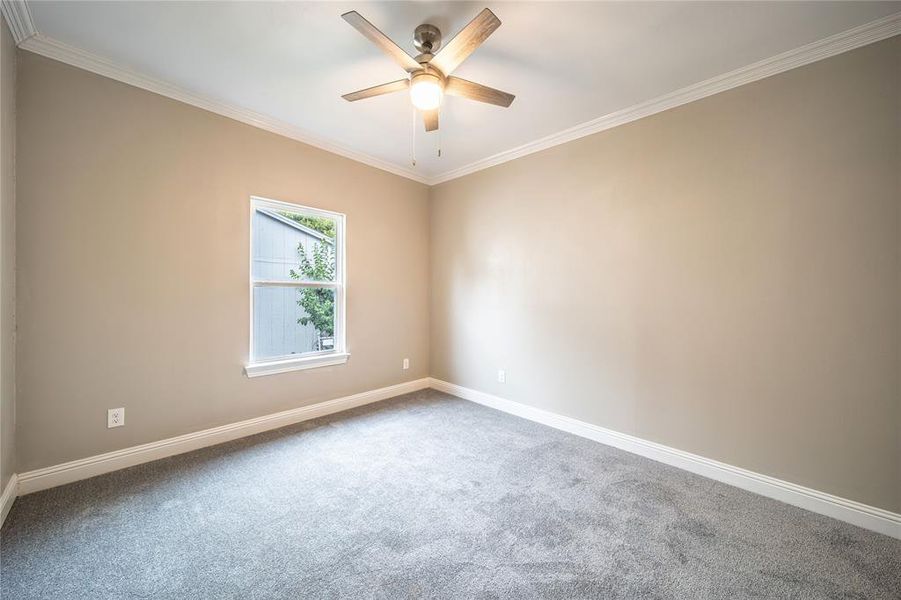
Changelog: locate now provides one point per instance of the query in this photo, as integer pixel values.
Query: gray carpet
(427, 496)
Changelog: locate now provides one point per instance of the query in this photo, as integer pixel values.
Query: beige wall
(133, 266)
(723, 278)
(7, 255)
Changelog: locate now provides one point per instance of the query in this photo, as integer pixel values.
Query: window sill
(295, 364)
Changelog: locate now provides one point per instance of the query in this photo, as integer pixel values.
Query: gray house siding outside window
(277, 331)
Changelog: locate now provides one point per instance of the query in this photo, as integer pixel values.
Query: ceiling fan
(429, 74)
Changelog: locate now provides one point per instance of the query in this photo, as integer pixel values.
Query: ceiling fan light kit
(426, 90)
(429, 74)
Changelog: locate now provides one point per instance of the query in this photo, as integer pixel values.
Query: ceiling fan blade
(430, 118)
(377, 90)
(465, 42)
(407, 62)
(476, 91)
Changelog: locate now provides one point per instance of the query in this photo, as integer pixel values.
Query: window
(297, 288)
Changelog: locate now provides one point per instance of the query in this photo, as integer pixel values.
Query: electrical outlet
(115, 417)
(406, 364)
(502, 376)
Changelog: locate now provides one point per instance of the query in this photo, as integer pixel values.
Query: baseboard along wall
(849, 511)
(8, 497)
(41, 479)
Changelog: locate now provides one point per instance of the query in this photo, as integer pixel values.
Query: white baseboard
(41, 479)
(856, 513)
(8, 497)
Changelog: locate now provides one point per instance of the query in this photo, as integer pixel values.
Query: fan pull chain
(413, 139)
(439, 142)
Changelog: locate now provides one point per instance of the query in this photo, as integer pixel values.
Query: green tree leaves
(318, 303)
(321, 224)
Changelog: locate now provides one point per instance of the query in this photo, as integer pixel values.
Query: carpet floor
(427, 496)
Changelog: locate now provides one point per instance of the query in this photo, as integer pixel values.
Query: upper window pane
(292, 246)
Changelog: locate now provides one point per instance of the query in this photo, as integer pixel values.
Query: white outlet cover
(502, 376)
(406, 363)
(115, 417)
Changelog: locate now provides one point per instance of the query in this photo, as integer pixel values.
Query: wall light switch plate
(406, 364)
(115, 417)
(502, 376)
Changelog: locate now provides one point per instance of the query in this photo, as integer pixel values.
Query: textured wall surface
(723, 277)
(7, 255)
(133, 259)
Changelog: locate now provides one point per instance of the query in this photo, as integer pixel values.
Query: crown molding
(856, 37)
(18, 17)
(16, 11)
(51, 48)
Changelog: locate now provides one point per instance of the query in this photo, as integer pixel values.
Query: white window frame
(309, 360)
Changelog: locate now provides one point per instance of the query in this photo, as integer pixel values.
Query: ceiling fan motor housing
(427, 38)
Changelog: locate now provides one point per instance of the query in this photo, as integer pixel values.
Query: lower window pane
(288, 320)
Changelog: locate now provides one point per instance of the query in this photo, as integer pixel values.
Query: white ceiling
(567, 63)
